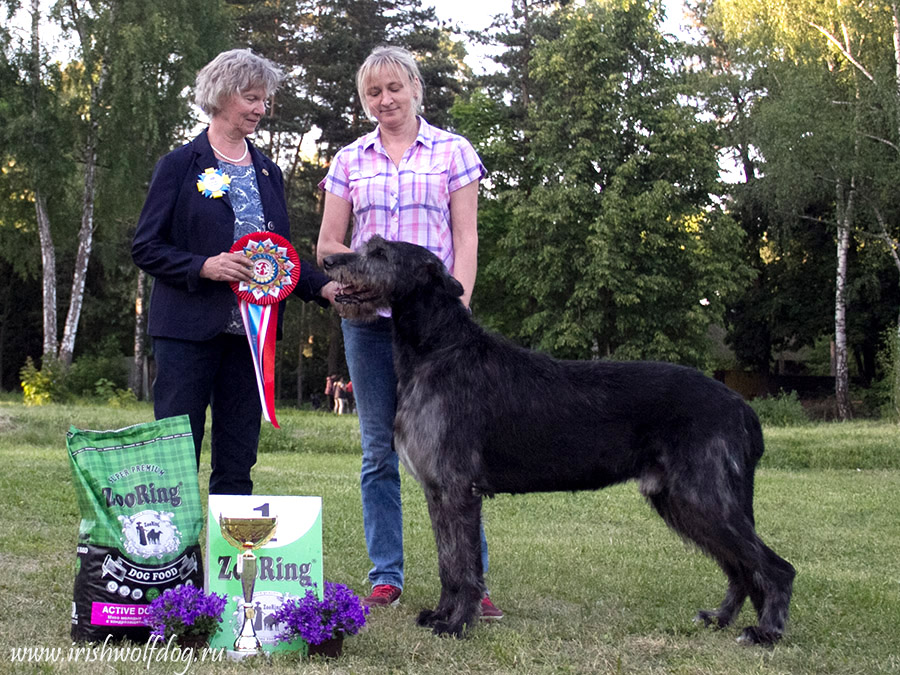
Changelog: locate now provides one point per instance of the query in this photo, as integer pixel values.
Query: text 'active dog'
(690, 442)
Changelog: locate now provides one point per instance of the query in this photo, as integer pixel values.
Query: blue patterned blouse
(248, 218)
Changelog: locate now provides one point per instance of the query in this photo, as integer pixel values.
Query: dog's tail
(753, 429)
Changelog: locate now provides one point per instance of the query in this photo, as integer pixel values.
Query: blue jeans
(370, 359)
(216, 373)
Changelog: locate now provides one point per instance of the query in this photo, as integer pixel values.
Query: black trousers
(217, 373)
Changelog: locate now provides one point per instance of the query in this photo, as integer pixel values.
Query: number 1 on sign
(264, 512)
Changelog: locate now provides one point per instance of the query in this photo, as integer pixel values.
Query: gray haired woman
(203, 197)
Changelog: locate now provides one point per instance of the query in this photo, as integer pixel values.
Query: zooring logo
(144, 494)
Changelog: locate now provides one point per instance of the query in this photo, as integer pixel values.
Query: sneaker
(489, 612)
(382, 596)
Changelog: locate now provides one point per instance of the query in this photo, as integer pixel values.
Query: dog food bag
(140, 524)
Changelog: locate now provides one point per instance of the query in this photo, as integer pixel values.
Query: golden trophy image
(247, 534)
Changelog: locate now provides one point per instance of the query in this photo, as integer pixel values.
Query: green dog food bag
(140, 524)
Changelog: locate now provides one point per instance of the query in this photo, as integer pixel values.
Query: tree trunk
(300, 347)
(48, 252)
(895, 16)
(5, 312)
(48, 272)
(85, 244)
(86, 232)
(335, 344)
(136, 379)
(842, 370)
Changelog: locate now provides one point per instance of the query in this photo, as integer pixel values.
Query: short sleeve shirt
(410, 202)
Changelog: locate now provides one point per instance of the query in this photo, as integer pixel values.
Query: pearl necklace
(231, 159)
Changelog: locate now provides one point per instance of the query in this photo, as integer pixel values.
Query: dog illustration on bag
(150, 534)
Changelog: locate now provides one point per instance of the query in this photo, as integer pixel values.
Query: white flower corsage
(213, 183)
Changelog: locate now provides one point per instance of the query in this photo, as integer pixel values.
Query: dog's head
(383, 273)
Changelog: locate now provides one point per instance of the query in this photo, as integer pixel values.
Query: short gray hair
(234, 72)
(389, 57)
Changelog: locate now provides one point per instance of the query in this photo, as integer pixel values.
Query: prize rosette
(276, 271)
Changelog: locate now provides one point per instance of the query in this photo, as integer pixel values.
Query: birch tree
(100, 111)
(828, 118)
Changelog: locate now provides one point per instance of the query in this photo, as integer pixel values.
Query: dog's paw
(708, 618)
(428, 618)
(438, 623)
(754, 635)
(448, 629)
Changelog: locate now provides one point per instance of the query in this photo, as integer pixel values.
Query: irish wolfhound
(477, 415)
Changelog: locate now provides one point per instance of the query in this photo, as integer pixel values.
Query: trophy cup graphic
(247, 534)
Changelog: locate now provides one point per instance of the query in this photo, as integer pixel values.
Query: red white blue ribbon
(260, 330)
(276, 271)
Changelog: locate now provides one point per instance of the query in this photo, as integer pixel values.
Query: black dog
(690, 442)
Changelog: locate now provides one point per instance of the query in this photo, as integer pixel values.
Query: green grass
(590, 582)
(848, 445)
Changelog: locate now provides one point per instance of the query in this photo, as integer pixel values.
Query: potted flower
(322, 623)
(187, 614)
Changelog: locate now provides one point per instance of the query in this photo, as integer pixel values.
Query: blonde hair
(398, 59)
(231, 73)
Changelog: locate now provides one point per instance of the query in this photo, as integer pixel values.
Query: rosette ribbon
(276, 271)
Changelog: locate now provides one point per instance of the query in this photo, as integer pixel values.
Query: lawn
(589, 582)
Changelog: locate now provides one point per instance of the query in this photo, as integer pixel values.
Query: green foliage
(814, 127)
(47, 385)
(887, 388)
(115, 397)
(100, 376)
(605, 241)
(96, 375)
(782, 410)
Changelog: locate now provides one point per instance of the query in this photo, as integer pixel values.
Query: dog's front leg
(455, 518)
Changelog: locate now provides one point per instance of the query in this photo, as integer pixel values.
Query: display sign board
(287, 565)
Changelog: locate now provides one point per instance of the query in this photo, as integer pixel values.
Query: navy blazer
(179, 229)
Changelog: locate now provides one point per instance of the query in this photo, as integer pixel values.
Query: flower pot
(331, 648)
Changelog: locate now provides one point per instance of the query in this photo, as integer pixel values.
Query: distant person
(329, 391)
(405, 181)
(190, 220)
(343, 398)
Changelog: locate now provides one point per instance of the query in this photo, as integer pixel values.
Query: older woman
(406, 181)
(183, 238)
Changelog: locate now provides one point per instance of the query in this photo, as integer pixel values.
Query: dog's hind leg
(771, 587)
(727, 535)
(455, 518)
(734, 599)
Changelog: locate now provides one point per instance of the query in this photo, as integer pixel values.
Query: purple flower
(316, 620)
(185, 611)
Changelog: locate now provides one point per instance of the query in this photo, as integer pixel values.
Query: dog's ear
(452, 285)
(435, 273)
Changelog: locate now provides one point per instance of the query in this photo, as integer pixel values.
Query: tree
(827, 124)
(100, 121)
(613, 246)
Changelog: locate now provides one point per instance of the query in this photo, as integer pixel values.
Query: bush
(46, 385)
(783, 410)
(887, 389)
(89, 373)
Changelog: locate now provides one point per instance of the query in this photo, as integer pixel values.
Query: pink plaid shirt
(411, 202)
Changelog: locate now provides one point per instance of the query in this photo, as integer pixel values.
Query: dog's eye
(376, 253)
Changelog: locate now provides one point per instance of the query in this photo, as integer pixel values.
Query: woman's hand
(228, 267)
(329, 290)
